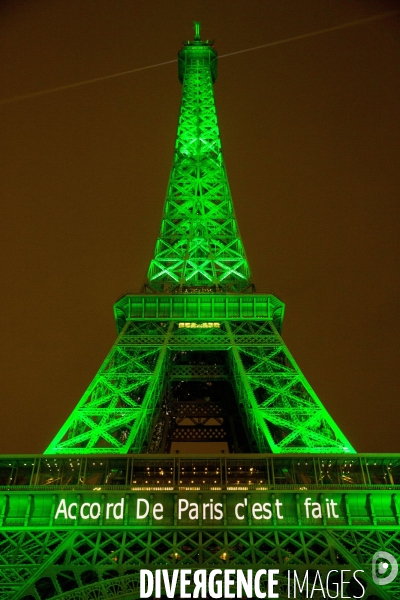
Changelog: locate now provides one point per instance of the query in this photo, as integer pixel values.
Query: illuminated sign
(189, 508)
(211, 510)
(198, 325)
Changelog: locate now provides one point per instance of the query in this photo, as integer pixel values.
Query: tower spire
(199, 247)
(196, 26)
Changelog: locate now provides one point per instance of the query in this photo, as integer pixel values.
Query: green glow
(206, 307)
(199, 250)
(115, 412)
(196, 31)
(40, 545)
(283, 413)
(299, 464)
(134, 509)
(199, 243)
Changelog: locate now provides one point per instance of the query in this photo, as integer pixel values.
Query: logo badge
(384, 568)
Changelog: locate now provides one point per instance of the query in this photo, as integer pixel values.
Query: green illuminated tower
(198, 402)
(199, 298)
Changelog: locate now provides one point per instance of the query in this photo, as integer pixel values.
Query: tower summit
(199, 246)
(199, 364)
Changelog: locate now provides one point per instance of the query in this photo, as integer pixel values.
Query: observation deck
(199, 307)
(250, 491)
(249, 472)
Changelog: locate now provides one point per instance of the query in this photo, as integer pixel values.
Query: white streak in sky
(168, 62)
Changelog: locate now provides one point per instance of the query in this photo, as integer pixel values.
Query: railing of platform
(200, 472)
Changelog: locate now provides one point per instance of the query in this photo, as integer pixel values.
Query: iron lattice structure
(43, 556)
(199, 359)
(199, 243)
(200, 271)
(280, 409)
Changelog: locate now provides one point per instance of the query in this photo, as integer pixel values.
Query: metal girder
(194, 306)
(117, 409)
(282, 412)
(43, 558)
(105, 564)
(199, 244)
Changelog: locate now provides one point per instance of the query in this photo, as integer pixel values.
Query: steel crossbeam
(282, 412)
(43, 558)
(199, 243)
(194, 306)
(115, 412)
(106, 564)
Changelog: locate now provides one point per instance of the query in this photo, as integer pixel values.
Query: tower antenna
(196, 27)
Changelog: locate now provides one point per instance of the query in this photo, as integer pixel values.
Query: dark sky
(310, 131)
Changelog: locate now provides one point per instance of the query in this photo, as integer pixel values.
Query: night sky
(310, 131)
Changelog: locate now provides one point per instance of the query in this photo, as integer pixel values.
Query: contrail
(74, 85)
(313, 33)
(168, 62)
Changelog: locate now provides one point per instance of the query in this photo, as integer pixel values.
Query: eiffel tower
(199, 443)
